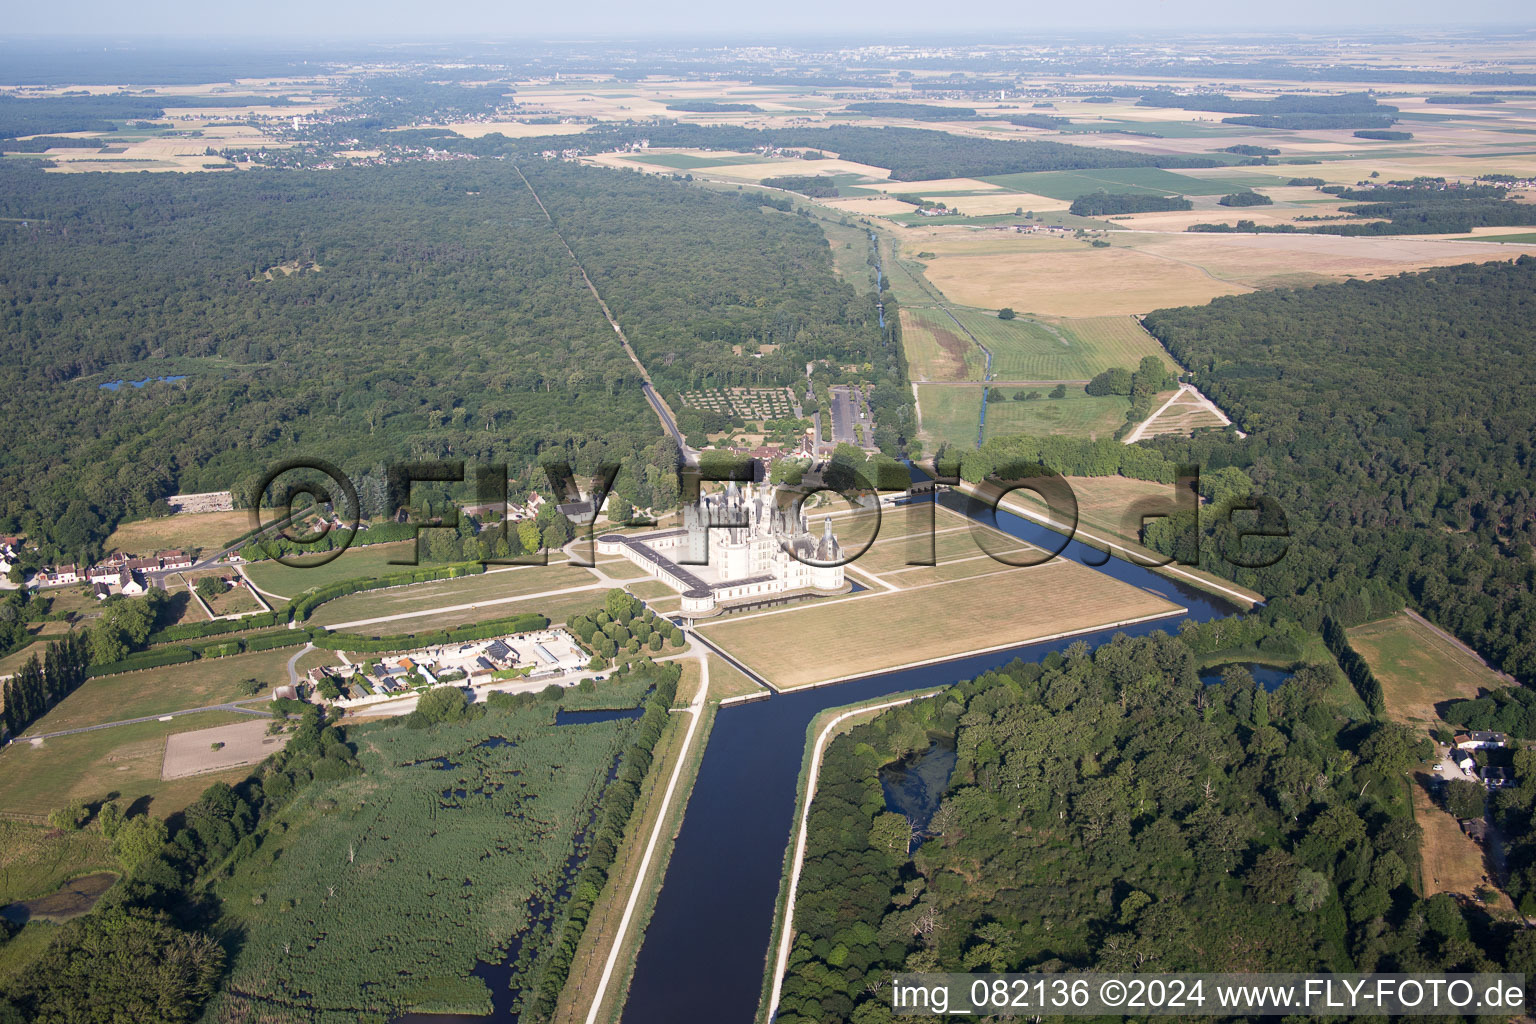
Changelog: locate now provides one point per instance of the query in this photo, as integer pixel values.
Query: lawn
(157, 691)
(1419, 669)
(423, 597)
(368, 561)
(558, 609)
(124, 759)
(191, 531)
(880, 630)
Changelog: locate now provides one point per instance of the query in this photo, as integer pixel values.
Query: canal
(705, 950)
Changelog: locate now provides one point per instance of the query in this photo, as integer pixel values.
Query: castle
(733, 546)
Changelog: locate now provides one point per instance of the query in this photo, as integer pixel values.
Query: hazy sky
(380, 19)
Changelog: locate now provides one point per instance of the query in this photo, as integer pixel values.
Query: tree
(139, 839)
(1059, 391)
(1006, 313)
(71, 817)
(109, 818)
(1465, 799)
(211, 587)
(892, 834)
(114, 965)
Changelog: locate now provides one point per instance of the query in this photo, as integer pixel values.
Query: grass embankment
(602, 927)
(812, 731)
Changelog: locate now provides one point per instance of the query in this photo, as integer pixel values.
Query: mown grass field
(880, 630)
(1114, 341)
(125, 760)
(367, 561)
(952, 413)
(936, 349)
(1024, 349)
(158, 691)
(1419, 669)
(420, 597)
(558, 609)
(1078, 414)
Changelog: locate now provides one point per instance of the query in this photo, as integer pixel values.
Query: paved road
(668, 421)
(616, 948)
(231, 706)
(293, 673)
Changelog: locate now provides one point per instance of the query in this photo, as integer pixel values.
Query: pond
(1266, 676)
(914, 785)
(113, 385)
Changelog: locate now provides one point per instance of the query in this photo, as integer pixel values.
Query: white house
(1480, 740)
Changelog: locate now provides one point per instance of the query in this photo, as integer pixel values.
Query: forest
(1110, 811)
(1106, 204)
(1391, 422)
(366, 316)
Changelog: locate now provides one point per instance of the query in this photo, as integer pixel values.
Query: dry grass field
(192, 531)
(1064, 278)
(964, 604)
(1419, 669)
(1263, 261)
(1185, 415)
(238, 746)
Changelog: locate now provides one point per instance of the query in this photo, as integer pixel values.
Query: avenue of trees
(425, 312)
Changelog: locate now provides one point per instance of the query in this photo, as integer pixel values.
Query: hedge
(197, 630)
(143, 660)
(307, 603)
(525, 623)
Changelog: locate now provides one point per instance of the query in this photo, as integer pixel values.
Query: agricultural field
(1064, 277)
(747, 403)
(158, 691)
(126, 759)
(1142, 180)
(395, 914)
(415, 598)
(987, 604)
(190, 531)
